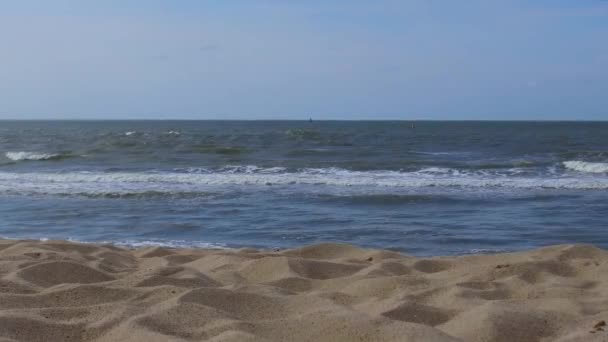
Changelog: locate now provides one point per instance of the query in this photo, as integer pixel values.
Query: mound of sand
(60, 291)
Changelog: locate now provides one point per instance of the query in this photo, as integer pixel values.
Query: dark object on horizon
(310, 120)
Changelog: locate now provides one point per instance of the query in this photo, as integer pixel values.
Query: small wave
(139, 195)
(130, 133)
(589, 167)
(134, 243)
(23, 156)
(379, 199)
(436, 170)
(233, 169)
(312, 152)
(165, 243)
(226, 150)
(173, 133)
(484, 251)
(252, 169)
(593, 154)
(439, 153)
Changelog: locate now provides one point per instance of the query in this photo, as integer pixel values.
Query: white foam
(130, 133)
(582, 166)
(117, 183)
(156, 243)
(437, 170)
(252, 169)
(135, 243)
(20, 156)
(166, 243)
(485, 251)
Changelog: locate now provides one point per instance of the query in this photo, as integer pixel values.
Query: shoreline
(217, 246)
(68, 291)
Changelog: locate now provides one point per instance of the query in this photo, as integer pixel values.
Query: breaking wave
(190, 182)
(23, 156)
(590, 167)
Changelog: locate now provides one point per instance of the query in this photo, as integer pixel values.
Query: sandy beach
(62, 291)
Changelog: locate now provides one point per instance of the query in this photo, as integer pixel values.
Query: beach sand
(62, 291)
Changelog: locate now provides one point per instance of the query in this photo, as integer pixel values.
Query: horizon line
(314, 120)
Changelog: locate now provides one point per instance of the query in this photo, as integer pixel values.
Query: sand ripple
(60, 291)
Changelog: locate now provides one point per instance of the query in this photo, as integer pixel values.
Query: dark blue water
(433, 189)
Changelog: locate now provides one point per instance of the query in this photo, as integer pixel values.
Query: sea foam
(582, 166)
(20, 156)
(121, 184)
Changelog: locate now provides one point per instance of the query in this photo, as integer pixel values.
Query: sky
(325, 59)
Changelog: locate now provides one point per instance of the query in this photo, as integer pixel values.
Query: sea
(423, 188)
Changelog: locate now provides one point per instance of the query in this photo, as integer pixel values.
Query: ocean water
(438, 188)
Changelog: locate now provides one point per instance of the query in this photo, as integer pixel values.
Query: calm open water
(439, 188)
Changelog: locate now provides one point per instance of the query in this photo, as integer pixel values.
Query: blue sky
(332, 59)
